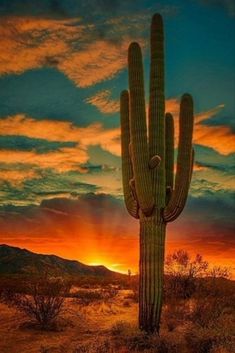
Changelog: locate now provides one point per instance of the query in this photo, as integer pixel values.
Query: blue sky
(63, 65)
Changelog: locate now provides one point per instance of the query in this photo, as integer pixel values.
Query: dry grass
(105, 323)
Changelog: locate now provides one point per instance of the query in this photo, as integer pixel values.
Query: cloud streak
(67, 44)
(220, 137)
(103, 102)
(63, 158)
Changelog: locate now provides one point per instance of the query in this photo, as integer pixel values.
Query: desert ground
(78, 325)
(104, 320)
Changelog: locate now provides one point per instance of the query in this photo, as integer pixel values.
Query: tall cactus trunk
(151, 192)
(152, 247)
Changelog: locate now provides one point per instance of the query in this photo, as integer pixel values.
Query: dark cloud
(101, 221)
(208, 157)
(90, 11)
(59, 8)
(35, 7)
(58, 216)
(45, 184)
(207, 225)
(215, 208)
(93, 205)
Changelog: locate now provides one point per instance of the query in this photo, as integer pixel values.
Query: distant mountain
(16, 261)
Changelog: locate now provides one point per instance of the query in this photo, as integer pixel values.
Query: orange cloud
(104, 103)
(208, 114)
(220, 138)
(98, 61)
(172, 106)
(29, 43)
(16, 177)
(63, 159)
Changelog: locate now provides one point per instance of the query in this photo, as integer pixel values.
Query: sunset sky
(63, 64)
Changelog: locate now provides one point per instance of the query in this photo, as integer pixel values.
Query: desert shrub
(175, 313)
(207, 311)
(200, 340)
(134, 296)
(121, 328)
(43, 304)
(14, 284)
(213, 327)
(181, 274)
(215, 287)
(168, 344)
(126, 335)
(99, 346)
(86, 297)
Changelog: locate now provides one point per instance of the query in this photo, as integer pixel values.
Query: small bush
(43, 304)
(134, 296)
(207, 311)
(201, 340)
(121, 328)
(134, 340)
(86, 297)
(99, 346)
(175, 313)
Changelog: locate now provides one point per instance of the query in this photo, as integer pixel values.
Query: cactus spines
(150, 191)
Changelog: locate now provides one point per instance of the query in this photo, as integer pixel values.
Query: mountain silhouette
(17, 261)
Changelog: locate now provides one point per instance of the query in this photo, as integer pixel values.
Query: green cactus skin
(151, 194)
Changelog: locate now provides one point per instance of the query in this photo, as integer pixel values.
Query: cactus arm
(182, 197)
(169, 162)
(157, 108)
(184, 161)
(127, 173)
(138, 131)
(148, 169)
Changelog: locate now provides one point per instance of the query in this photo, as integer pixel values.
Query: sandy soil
(76, 325)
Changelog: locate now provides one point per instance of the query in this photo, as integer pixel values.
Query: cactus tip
(134, 46)
(157, 20)
(186, 97)
(134, 52)
(124, 94)
(168, 116)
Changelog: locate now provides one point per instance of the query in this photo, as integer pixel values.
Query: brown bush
(133, 340)
(175, 313)
(134, 296)
(86, 297)
(43, 304)
(200, 340)
(206, 311)
(99, 346)
(181, 274)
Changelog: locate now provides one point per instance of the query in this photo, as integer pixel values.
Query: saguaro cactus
(150, 191)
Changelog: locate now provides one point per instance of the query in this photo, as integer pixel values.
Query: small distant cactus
(150, 191)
